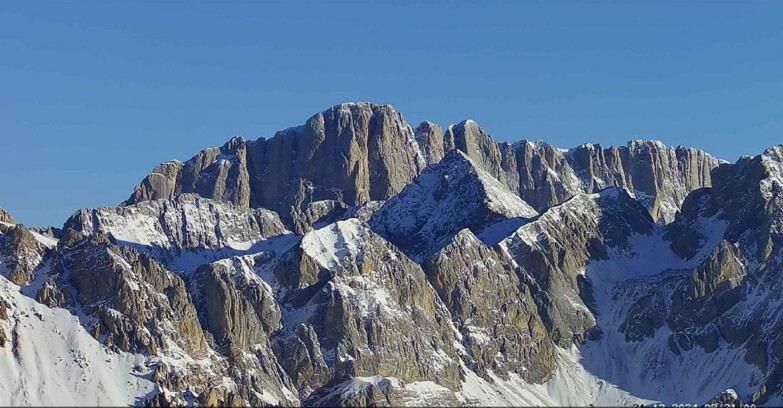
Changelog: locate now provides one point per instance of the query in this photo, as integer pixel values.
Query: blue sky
(93, 95)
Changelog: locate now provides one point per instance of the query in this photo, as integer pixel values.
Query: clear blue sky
(93, 95)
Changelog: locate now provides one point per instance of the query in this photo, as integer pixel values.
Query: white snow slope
(50, 359)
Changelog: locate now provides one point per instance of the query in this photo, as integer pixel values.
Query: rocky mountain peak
(774, 151)
(6, 217)
(643, 144)
(557, 246)
(772, 159)
(447, 197)
(429, 136)
(21, 252)
(353, 153)
(234, 143)
(470, 138)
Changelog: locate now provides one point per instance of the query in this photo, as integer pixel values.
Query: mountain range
(358, 261)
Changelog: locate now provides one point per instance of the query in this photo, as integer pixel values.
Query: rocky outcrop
(360, 307)
(448, 197)
(161, 183)
(658, 176)
(309, 205)
(134, 304)
(744, 207)
(711, 289)
(493, 308)
(685, 233)
(165, 229)
(50, 232)
(646, 314)
(218, 173)
(735, 226)
(4, 312)
(6, 217)
(539, 173)
(342, 303)
(20, 253)
(429, 137)
(138, 305)
(366, 151)
(747, 196)
(241, 315)
(237, 307)
(468, 137)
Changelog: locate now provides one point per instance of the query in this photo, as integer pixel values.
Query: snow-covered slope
(632, 289)
(50, 359)
(186, 222)
(446, 198)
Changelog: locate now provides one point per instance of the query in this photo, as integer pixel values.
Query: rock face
(239, 310)
(341, 303)
(241, 315)
(122, 288)
(354, 153)
(6, 217)
(219, 173)
(368, 310)
(557, 247)
(358, 152)
(429, 136)
(746, 197)
(711, 288)
(539, 173)
(659, 176)
(213, 335)
(20, 253)
(309, 205)
(492, 305)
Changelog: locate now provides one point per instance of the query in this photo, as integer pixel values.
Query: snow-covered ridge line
(49, 242)
(187, 221)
